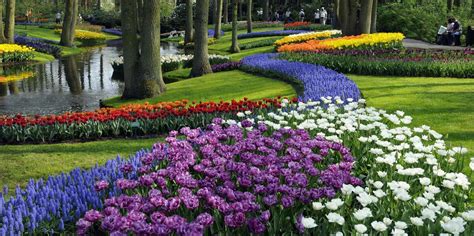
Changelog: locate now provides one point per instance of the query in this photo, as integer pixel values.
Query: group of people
(320, 16)
(451, 33)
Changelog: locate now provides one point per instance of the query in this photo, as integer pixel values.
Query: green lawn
(19, 163)
(49, 34)
(444, 104)
(218, 86)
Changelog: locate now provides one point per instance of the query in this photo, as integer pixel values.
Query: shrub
(422, 63)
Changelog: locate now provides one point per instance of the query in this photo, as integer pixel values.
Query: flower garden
(322, 163)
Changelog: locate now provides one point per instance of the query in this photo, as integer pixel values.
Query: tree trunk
(201, 64)
(235, 43)
(10, 21)
(130, 46)
(3, 39)
(226, 11)
(188, 32)
(337, 13)
(266, 9)
(72, 75)
(249, 16)
(69, 24)
(218, 16)
(352, 22)
(366, 16)
(373, 22)
(150, 77)
(240, 10)
(344, 16)
(140, 21)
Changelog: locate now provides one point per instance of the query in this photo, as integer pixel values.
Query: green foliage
(420, 21)
(109, 19)
(402, 66)
(257, 44)
(218, 86)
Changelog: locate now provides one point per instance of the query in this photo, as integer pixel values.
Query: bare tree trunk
(366, 16)
(235, 43)
(266, 9)
(130, 47)
(140, 15)
(3, 39)
(226, 12)
(249, 16)
(373, 23)
(188, 32)
(337, 13)
(240, 10)
(344, 16)
(69, 24)
(201, 64)
(10, 21)
(151, 80)
(352, 23)
(217, 28)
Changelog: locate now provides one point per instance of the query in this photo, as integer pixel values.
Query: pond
(74, 83)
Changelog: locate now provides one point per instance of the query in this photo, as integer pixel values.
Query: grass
(444, 104)
(42, 57)
(49, 34)
(19, 163)
(218, 86)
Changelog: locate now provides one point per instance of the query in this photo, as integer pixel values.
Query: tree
(10, 21)
(218, 18)
(266, 8)
(234, 48)
(188, 30)
(69, 24)
(142, 73)
(249, 16)
(3, 39)
(373, 22)
(366, 16)
(226, 12)
(201, 64)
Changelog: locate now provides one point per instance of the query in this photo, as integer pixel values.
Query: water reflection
(75, 83)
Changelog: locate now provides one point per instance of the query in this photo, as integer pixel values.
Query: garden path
(413, 43)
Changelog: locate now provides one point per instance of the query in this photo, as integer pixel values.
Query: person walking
(317, 18)
(301, 15)
(323, 14)
(288, 16)
(58, 18)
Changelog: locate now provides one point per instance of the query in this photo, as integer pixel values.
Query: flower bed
(317, 81)
(270, 33)
(423, 63)
(87, 38)
(174, 62)
(113, 31)
(306, 26)
(233, 65)
(410, 178)
(38, 45)
(303, 37)
(15, 53)
(413, 181)
(363, 41)
(257, 44)
(131, 120)
(224, 177)
(211, 33)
